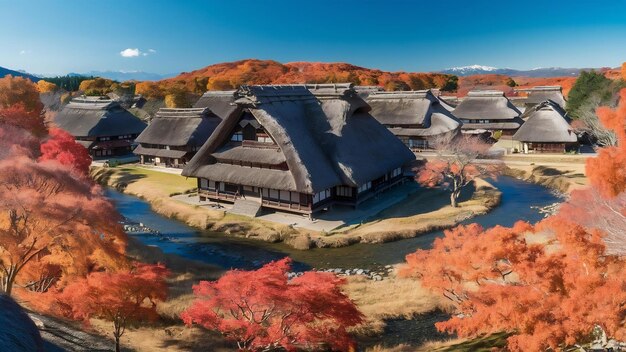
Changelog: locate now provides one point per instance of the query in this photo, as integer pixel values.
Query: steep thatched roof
(540, 94)
(547, 123)
(18, 332)
(365, 91)
(87, 117)
(325, 133)
(402, 111)
(486, 104)
(180, 127)
(220, 103)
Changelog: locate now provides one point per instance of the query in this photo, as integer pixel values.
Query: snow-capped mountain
(470, 70)
(535, 72)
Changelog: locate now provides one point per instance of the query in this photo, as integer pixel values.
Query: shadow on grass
(119, 178)
(548, 171)
(480, 344)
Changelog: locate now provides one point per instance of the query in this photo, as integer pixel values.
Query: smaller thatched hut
(175, 135)
(488, 110)
(540, 94)
(547, 130)
(415, 117)
(103, 126)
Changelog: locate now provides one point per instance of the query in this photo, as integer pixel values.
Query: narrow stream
(519, 202)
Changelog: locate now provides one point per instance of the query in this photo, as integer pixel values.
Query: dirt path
(61, 335)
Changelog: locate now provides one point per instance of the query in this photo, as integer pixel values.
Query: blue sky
(56, 37)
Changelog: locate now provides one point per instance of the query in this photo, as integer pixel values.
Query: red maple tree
(62, 147)
(125, 297)
(262, 309)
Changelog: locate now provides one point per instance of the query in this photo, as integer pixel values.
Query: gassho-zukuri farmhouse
(297, 148)
(101, 125)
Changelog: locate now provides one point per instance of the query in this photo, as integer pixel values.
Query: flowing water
(519, 202)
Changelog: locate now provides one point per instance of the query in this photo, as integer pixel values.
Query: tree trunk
(453, 199)
(117, 332)
(8, 280)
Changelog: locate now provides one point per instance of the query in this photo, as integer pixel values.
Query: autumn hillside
(509, 84)
(231, 75)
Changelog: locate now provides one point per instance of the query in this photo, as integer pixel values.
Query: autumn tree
(549, 285)
(62, 147)
(457, 165)
(20, 105)
(149, 89)
(46, 87)
(264, 310)
(97, 86)
(49, 216)
(125, 297)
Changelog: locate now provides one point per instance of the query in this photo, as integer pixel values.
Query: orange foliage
(607, 172)
(548, 285)
(20, 105)
(124, 297)
(455, 165)
(46, 87)
(48, 216)
(528, 82)
(263, 310)
(230, 75)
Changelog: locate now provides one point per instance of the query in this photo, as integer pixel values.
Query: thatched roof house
(416, 117)
(546, 130)
(540, 94)
(297, 148)
(488, 110)
(174, 135)
(101, 125)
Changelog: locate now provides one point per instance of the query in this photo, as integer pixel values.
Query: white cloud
(24, 52)
(130, 52)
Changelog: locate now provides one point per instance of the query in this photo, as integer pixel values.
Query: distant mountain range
(535, 72)
(6, 71)
(124, 75)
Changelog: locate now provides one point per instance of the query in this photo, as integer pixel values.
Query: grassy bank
(562, 173)
(422, 212)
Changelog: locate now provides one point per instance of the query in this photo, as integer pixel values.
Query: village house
(417, 118)
(101, 125)
(541, 94)
(547, 130)
(174, 136)
(488, 110)
(298, 149)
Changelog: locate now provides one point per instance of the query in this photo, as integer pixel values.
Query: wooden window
(344, 191)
